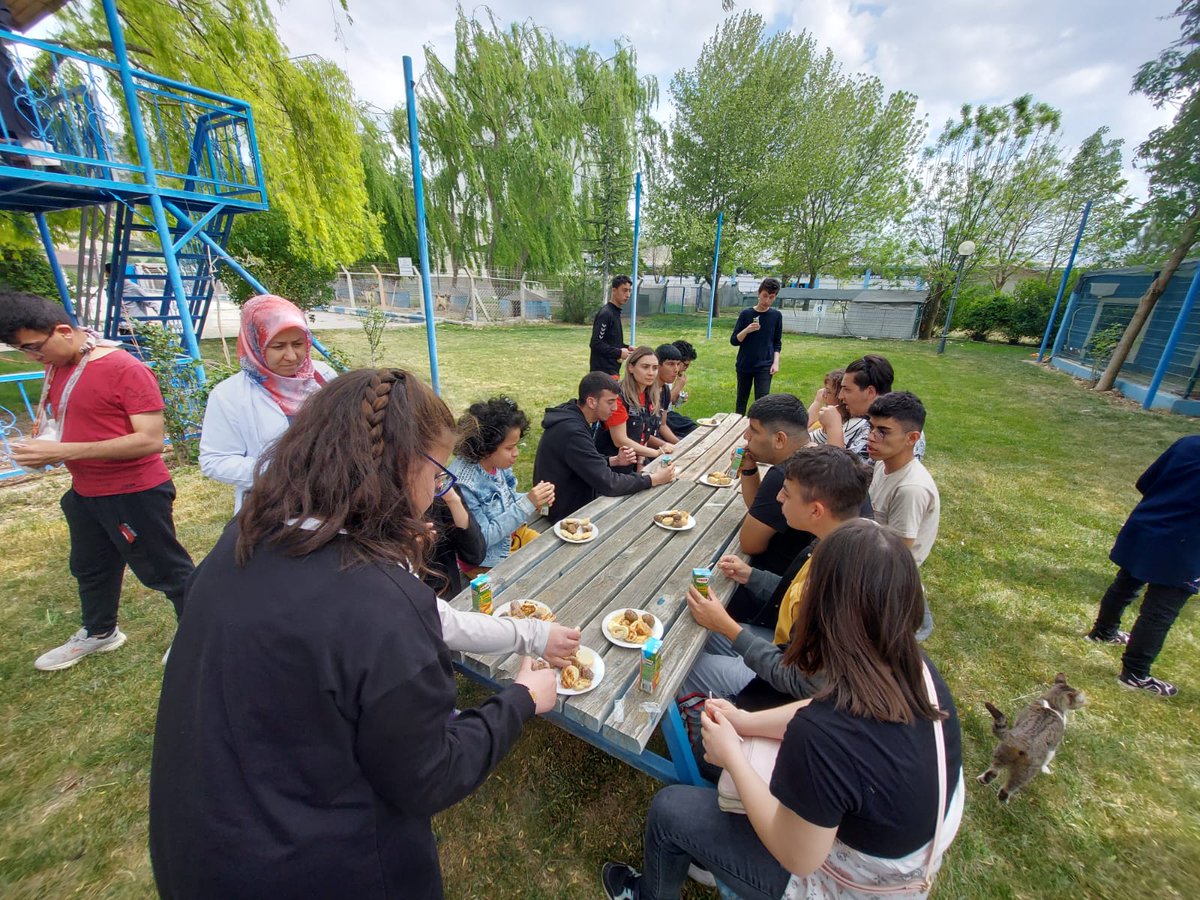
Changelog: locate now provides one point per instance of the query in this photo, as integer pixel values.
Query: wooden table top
(632, 563)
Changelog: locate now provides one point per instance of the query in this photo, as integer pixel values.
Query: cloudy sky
(1077, 55)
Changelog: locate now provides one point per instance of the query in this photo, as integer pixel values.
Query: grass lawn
(1036, 476)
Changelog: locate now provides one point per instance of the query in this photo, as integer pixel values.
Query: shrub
(25, 269)
(262, 242)
(582, 296)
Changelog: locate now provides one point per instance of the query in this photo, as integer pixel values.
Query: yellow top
(789, 607)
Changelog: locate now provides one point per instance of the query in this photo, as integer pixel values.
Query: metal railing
(464, 297)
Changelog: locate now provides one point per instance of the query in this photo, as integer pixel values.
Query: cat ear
(1060, 678)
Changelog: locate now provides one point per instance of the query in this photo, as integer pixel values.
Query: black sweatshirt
(306, 732)
(608, 340)
(757, 352)
(453, 544)
(567, 457)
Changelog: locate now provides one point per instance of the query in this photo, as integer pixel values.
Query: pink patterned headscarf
(263, 317)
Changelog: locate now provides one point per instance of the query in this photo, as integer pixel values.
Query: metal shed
(1108, 297)
(850, 313)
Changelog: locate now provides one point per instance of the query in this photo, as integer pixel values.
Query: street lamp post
(965, 249)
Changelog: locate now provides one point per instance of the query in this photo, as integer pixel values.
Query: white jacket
(240, 422)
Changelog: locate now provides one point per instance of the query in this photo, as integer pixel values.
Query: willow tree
(501, 131)
(303, 108)
(618, 135)
(389, 189)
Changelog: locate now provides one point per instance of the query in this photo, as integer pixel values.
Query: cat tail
(1000, 723)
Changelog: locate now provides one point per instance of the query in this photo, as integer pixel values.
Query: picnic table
(632, 563)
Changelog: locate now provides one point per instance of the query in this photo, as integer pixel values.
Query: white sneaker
(167, 656)
(75, 649)
(701, 876)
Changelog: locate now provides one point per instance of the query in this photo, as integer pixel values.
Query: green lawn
(1036, 475)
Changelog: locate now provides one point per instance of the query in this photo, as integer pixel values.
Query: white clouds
(1079, 57)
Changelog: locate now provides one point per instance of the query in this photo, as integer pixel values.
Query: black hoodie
(567, 457)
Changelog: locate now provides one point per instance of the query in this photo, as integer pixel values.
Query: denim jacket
(494, 502)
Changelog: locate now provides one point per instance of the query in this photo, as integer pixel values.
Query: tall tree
(727, 134)
(969, 190)
(389, 190)
(1173, 165)
(846, 176)
(303, 108)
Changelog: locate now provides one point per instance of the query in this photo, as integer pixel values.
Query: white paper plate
(688, 527)
(595, 533)
(597, 665)
(703, 479)
(708, 423)
(657, 631)
(501, 608)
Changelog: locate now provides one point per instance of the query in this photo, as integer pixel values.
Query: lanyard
(60, 414)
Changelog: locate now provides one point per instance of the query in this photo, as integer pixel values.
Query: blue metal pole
(1164, 361)
(637, 228)
(712, 297)
(422, 240)
(147, 161)
(867, 281)
(60, 280)
(1062, 285)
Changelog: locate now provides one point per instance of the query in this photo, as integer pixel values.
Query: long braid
(374, 407)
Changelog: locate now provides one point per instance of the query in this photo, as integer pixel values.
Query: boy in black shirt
(608, 335)
(758, 335)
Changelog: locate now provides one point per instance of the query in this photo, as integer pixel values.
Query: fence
(464, 297)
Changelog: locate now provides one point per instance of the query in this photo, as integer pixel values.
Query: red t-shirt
(111, 389)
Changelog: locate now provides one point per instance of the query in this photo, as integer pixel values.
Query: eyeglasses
(34, 349)
(444, 480)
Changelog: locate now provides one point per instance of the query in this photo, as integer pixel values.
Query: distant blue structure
(178, 161)
(1168, 349)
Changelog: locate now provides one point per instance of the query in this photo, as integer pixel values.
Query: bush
(28, 270)
(975, 312)
(582, 295)
(1023, 314)
(262, 243)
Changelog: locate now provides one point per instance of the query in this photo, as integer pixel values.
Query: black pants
(762, 387)
(681, 426)
(109, 533)
(1160, 607)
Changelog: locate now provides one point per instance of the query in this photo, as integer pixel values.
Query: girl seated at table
(639, 421)
(306, 729)
(867, 785)
(252, 408)
(489, 439)
(826, 395)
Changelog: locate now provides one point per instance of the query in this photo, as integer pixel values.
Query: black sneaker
(620, 881)
(1149, 683)
(1117, 637)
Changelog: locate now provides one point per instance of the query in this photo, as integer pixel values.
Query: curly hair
(485, 426)
(20, 310)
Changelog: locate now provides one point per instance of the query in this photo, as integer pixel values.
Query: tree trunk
(931, 313)
(1148, 300)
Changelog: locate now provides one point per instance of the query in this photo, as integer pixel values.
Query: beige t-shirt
(907, 502)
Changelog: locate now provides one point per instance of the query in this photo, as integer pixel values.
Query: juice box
(481, 594)
(700, 579)
(651, 664)
(738, 455)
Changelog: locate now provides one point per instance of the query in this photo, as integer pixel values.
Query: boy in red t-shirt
(103, 413)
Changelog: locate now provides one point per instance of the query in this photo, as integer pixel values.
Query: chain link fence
(461, 297)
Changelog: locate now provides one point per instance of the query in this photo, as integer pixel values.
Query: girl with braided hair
(306, 730)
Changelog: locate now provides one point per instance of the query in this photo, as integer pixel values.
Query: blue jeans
(685, 825)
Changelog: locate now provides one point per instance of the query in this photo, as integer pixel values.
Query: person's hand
(541, 495)
(625, 351)
(561, 644)
(666, 449)
(453, 500)
(681, 381)
(541, 684)
(752, 327)
(625, 457)
(748, 459)
(822, 397)
(721, 739)
(663, 475)
(831, 418)
(37, 454)
(734, 568)
(774, 368)
(710, 614)
(739, 718)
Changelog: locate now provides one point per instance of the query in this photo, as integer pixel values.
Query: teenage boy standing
(758, 335)
(107, 411)
(608, 334)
